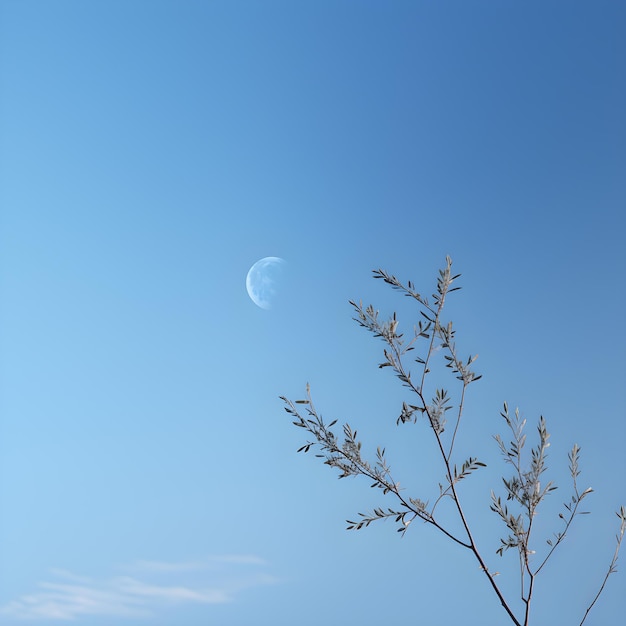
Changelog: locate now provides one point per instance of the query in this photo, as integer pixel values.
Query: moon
(265, 279)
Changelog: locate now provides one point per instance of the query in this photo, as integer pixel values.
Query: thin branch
(458, 420)
(612, 569)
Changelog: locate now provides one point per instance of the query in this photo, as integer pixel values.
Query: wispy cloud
(204, 564)
(153, 586)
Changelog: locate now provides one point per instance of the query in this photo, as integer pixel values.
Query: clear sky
(151, 152)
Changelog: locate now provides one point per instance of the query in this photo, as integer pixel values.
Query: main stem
(470, 538)
(419, 392)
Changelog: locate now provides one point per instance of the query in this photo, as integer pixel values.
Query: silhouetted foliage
(524, 489)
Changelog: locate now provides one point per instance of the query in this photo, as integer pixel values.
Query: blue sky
(152, 152)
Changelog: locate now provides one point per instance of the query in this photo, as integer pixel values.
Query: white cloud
(155, 585)
(208, 563)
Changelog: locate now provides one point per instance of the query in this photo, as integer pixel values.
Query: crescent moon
(264, 280)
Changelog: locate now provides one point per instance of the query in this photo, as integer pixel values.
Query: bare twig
(612, 569)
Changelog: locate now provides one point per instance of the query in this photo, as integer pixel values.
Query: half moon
(264, 280)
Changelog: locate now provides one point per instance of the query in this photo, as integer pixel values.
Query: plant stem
(419, 391)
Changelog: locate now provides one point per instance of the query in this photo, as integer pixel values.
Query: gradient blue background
(151, 152)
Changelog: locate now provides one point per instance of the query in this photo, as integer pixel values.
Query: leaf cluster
(344, 454)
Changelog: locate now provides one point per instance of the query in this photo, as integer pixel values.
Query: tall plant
(524, 489)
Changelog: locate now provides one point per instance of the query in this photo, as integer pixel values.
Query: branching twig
(612, 569)
(346, 457)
